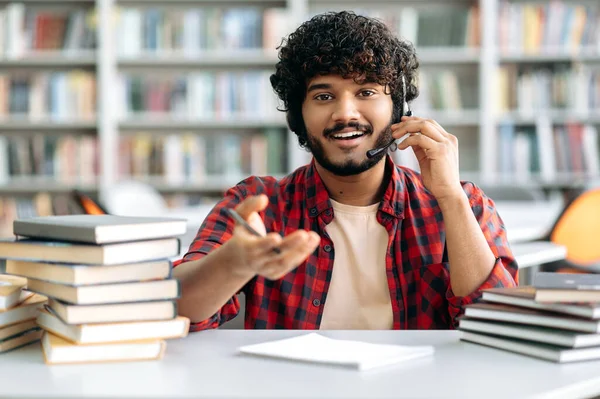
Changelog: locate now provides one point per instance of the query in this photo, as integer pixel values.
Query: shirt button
(327, 248)
(328, 212)
(316, 302)
(313, 211)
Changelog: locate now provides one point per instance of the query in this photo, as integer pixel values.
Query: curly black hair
(345, 44)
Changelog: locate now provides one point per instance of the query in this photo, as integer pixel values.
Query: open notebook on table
(316, 348)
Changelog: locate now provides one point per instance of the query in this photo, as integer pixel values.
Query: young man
(350, 242)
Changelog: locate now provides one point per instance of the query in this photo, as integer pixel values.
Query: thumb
(251, 204)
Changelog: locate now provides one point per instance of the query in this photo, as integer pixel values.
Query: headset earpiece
(404, 110)
(405, 107)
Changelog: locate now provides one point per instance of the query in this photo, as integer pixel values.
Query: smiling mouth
(348, 135)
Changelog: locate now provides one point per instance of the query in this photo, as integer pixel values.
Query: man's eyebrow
(318, 86)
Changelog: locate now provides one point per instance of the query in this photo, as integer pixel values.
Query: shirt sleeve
(216, 229)
(505, 270)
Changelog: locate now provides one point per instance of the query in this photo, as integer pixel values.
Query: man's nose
(345, 111)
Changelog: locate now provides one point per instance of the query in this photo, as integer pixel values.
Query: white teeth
(348, 134)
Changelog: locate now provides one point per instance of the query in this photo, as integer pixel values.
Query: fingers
(422, 141)
(420, 154)
(248, 209)
(260, 247)
(427, 138)
(295, 248)
(252, 204)
(270, 255)
(418, 126)
(260, 256)
(427, 127)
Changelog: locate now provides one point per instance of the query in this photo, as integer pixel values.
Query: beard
(349, 167)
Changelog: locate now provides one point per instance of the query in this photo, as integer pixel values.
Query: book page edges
(159, 356)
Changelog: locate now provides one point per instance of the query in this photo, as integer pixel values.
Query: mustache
(368, 129)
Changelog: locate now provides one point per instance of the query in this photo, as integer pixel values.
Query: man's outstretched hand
(256, 256)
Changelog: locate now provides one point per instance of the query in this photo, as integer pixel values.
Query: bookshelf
(477, 66)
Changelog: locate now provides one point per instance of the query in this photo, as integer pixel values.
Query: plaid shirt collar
(392, 203)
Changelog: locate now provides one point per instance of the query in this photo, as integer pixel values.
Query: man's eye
(323, 97)
(367, 93)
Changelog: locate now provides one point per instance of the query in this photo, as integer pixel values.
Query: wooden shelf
(50, 2)
(582, 55)
(448, 55)
(174, 123)
(45, 125)
(555, 116)
(560, 181)
(205, 3)
(469, 117)
(52, 59)
(384, 3)
(34, 184)
(241, 58)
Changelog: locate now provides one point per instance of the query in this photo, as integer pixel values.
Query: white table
(528, 220)
(206, 365)
(528, 254)
(531, 254)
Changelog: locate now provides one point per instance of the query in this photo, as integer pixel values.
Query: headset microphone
(405, 112)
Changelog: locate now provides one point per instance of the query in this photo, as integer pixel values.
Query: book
(547, 335)
(57, 350)
(11, 289)
(108, 293)
(106, 254)
(566, 281)
(17, 329)
(17, 341)
(548, 296)
(114, 332)
(27, 310)
(316, 348)
(535, 349)
(78, 274)
(99, 229)
(112, 313)
(516, 315)
(524, 297)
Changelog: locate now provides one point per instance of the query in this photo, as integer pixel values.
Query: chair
(578, 229)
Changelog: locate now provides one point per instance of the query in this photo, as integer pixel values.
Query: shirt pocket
(433, 285)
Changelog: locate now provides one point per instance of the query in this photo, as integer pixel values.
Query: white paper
(317, 348)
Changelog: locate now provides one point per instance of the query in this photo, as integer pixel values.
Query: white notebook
(316, 348)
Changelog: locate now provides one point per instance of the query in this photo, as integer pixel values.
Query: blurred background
(156, 107)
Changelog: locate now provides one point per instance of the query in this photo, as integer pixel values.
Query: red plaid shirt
(416, 261)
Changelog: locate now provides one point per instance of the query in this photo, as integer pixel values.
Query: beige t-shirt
(358, 296)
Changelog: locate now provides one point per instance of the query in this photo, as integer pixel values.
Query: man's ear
(291, 121)
(296, 124)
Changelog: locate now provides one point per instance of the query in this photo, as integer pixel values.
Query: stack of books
(557, 318)
(108, 280)
(18, 311)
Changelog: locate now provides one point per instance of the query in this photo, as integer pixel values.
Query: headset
(406, 111)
